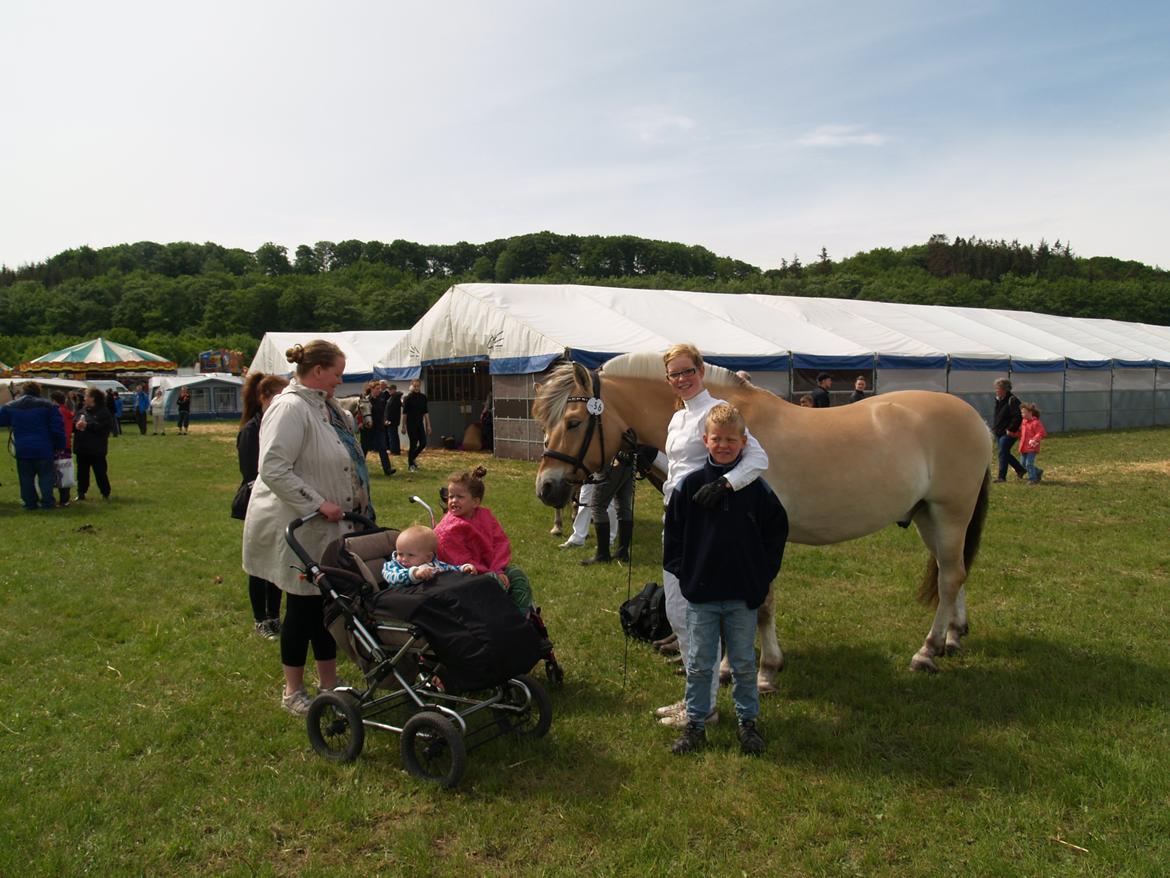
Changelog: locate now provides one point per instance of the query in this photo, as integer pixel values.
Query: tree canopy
(179, 298)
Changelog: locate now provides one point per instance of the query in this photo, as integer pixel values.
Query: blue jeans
(1034, 472)
(29, 472)
(739, 634)
(1006, 458)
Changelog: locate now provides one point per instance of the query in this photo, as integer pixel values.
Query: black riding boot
(625, 535)
(602, 555)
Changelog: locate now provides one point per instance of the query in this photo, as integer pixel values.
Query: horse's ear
(536, 387)
(581, 376)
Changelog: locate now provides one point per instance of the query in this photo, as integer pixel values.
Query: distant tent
(99, 355)
(362, 348)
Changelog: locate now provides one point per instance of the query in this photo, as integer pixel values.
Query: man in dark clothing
(393, 419)
(820, 395)
(378, 402)
(38, 432)
(1005, 425)
(859, 390)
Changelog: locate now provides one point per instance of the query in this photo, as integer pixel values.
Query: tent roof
(361, 348)
(524, 327)
(98, 354)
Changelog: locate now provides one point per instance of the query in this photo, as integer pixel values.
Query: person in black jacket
(393, 419)
(820, 394)
(418, 422)
(91, 443)
(725, 559)
(1005, 425)
(859, 389)
(259, 390)
(38, 433)
(379, 399)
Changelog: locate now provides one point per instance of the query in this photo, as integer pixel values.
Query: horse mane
(556, 389)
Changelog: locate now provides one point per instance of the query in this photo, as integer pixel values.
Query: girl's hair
(683, 350)
(472, 481)
(318, 352)
(258, 386)
(1031, 407)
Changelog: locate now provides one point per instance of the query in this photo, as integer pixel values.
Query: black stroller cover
(472, 626)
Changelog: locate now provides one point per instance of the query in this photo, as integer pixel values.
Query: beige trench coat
(302, 464)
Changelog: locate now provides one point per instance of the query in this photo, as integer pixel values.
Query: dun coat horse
(910, 456)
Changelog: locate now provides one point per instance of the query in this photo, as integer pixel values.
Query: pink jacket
(478, 540)
(1031, 432)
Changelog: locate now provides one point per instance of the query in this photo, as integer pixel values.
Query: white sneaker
(679, 720)
(297, 703)
(670, 709)
(571, 544)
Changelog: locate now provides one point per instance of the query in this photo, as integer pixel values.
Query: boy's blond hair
(725, 415)
(421, 538)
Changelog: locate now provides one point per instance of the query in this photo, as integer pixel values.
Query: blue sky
(759, 130)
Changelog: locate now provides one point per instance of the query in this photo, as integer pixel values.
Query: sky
(760, 130)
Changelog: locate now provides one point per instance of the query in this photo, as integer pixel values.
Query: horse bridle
(595, 407)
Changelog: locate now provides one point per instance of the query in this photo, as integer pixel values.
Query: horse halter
(594, 406)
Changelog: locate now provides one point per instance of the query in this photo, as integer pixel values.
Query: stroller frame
(441, 726)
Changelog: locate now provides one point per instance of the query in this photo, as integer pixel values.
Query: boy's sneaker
(266, 630)
(693, 738)
(671, 709)
(750, 740)
(679, 720)
(297, 703)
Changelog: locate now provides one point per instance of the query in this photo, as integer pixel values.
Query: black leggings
(265, 598)
(304, 623)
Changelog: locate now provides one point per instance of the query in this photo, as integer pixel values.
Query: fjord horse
(911, 456)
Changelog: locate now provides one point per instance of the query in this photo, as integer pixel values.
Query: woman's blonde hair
(318, 352)
(683, 350)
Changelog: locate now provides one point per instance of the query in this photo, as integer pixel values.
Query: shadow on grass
(1010, 713)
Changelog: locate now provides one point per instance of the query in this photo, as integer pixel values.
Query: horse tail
(928, 588)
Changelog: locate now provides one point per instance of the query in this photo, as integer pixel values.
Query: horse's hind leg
(944, 539)
(771, 656)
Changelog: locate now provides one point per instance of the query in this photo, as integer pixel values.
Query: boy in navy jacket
(725, 559)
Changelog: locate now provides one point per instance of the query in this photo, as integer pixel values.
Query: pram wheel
(526, 709)
(335, 727)
(433, 749)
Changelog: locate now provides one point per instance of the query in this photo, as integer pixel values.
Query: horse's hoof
(766, 685)
(923, 663)
(954, 648)
(556, 531)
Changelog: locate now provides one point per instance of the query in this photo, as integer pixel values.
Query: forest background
(181, 298)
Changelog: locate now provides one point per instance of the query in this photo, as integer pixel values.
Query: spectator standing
(417, 422)
(114, 404)
(859, 389)
(183, 404)
(378, 402)
(820, 394)
(91, 435)
(617, 485)
(393, 419)
(38, 433)
(158, 413)
(141, 407)
(1005, 426)
(66, 411)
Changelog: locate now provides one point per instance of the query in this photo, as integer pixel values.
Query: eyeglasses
(681, 373)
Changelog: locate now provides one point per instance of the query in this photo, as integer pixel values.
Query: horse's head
(579, 431)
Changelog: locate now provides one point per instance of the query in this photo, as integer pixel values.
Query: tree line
(180, 298)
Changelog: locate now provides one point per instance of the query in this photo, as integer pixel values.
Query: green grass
(140, 731)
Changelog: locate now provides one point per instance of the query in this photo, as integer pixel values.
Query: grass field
(140, 731)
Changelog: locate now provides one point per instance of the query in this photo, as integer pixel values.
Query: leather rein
(595, 407)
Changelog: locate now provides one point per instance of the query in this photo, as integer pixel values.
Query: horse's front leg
(558, 523)
(771, 656)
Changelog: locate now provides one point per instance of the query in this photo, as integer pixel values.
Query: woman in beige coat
(309, 462)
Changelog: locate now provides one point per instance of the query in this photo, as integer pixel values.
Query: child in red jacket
(1031, 432)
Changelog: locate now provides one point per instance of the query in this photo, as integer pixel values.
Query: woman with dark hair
(259, 391)
(310, 465)
(91, 443)
(183, 404)
(62, 403)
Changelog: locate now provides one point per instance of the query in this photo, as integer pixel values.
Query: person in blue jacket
(38, 433)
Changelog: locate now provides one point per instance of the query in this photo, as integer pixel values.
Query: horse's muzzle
(553, 490)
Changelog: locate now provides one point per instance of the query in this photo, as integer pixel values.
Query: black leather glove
(711, 495)
(645, 456)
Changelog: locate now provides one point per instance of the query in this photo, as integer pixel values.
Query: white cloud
(842, 135)
(654, 126)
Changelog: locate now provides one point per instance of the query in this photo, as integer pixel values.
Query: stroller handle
(296, 523)
(423, 503)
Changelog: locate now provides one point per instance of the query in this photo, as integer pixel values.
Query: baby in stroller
(470, 534)
(414, 559)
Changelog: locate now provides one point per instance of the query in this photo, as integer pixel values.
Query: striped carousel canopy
(98, 355)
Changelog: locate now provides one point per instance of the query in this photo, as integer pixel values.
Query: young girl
(470, 534)
(1031, 432)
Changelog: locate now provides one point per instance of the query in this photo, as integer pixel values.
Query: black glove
(711, 495)
(645, 456)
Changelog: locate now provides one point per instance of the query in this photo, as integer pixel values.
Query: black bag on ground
(471, 625)
(240, 501)
(644, 615)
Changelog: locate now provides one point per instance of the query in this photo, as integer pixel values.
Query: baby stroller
(443, 663)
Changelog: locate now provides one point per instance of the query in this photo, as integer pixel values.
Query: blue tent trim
(1037, 365)
(1133, 364)
(810, 361)
(907, 361)
(979, 364)
(779, 363)
(1088, 365)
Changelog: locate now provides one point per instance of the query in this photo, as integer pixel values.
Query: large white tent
(1084, 373)
(362, 350)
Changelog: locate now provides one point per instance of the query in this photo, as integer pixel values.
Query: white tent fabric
(362, 350)
(522, 328)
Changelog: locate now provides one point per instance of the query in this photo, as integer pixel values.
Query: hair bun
(479, 472)
(295, 354)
